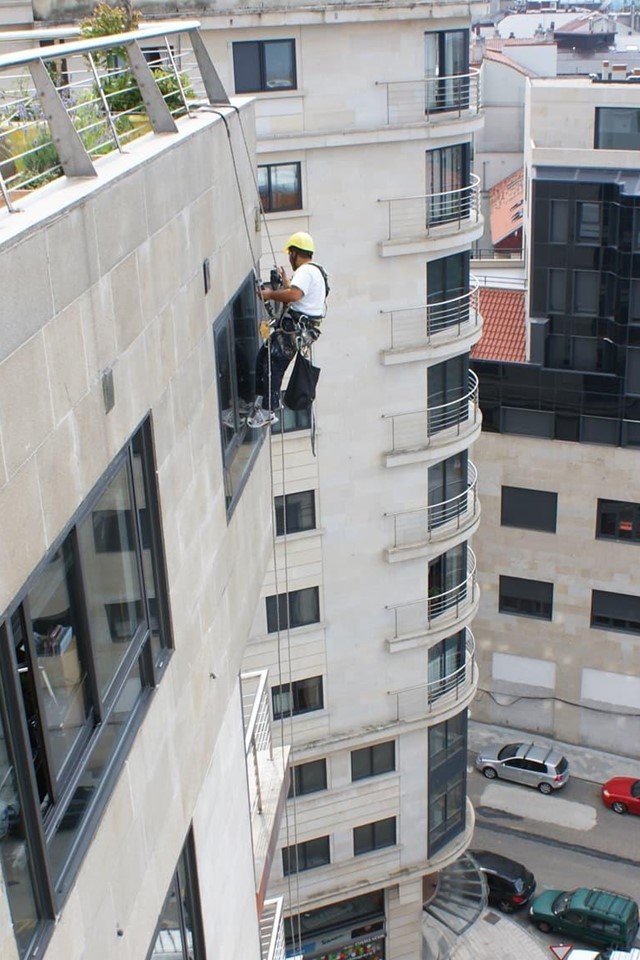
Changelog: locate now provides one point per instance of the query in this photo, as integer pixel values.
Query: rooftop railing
(433, 99)
(65, 105)
(422, 699)
(414, 218)
(412, 528)
(411, 326)
(422, 428)
(419, 616)
(272, 945)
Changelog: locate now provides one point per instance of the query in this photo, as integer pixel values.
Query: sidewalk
(584, 762)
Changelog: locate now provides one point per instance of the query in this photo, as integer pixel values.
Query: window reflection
(178, 935)
(15, 856)
(111, 578)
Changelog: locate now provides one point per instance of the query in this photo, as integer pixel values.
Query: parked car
(596, 916)
(541, 767)
(511, 885)
(622, 794)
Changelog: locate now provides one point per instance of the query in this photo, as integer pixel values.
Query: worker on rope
(303, 300)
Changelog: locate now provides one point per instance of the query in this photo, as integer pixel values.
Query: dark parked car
(596, 916)
(511, 885)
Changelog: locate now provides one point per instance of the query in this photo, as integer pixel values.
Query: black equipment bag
(301, 389)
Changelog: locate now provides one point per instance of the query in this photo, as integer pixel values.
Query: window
(528, 598)
(294, 609)
(372, 761)
(447, 781)
(446, 61)
(308, 778)
(447, 481)
(617, 128)
(557, 291)
(447, 580)
(618, 520)
(588, 222)
(76, 674)
(179, 930)
(353, 917)
(447, 184)
(374, 836)
(529, 509)
(295, 512)
(447, 393)
(280, 187)
(235, 335)
(559, 221)
(447, 291)
(264, 65)
(446, 665)
(292, 420)
(305, 856)
(301, 696)
(586, 286)
(615, 611)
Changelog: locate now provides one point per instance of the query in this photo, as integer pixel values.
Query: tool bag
(301, 389)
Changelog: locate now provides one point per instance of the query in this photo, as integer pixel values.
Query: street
(567, 840)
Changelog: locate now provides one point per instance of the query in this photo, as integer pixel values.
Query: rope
(294, 904)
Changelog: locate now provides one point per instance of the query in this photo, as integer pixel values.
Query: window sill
(526, 616)
(286, 214)
(272, 94)
(300, 535)
(296, 631)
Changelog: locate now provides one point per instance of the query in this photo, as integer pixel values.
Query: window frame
(260, 68)
(301, 854)
(188, 864)
(372, 759)
(59, 796)
(600, 135)
(297, 784)
(600, 621)
(615, 509)
(295, 690)
(281, 609)
(286, 505)
(447, 781)
(526, 606)
(544, 502)
(368, 837)
(267, 196)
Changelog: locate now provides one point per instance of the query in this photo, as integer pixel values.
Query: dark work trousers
(281, 357)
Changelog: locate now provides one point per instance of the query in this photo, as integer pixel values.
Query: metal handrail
(257, 737)
(418, 428)
(413, 527)
(432, 98)
(416, 216)
(451, 686)
(63, 105)
(410, 325)
(272, 929)
(422, 613)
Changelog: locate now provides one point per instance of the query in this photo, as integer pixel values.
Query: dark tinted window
(529, 598)
(305, 856)
(618, 520)
(372, 761)
(615, 611)
(261, 65)
(374, 836)
(529, 509)
(301, 696)
(308, 778)
(294, 609)
(295, 512)
(280, 187)
(617, 128)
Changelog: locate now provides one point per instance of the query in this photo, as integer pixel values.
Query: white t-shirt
(310, 280)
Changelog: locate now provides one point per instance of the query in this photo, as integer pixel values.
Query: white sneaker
(261, 418)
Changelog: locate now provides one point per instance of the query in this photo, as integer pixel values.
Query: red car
(622, 794)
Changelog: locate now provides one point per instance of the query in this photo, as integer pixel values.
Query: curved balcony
(434, 326)
(434, 215)
(416, 531)
(438, 696)
(438, 613)
(433, 99)
(437, 432)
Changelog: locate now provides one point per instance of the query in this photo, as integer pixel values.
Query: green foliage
(122, 92)
(41, 163)
(170, 90)
(105, 21)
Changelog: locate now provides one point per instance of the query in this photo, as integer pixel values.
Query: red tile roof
(506, 201)
(503, 334)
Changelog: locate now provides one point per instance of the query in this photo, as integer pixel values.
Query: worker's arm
(286, 295)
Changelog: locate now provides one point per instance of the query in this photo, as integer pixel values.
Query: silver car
(541, 767)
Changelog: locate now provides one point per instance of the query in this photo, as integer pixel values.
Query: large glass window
(295, 512)
(235, 334)
(336, 926)
(527, 598)
(447, 291)
(310, 777)
(448, 172)
(374, 836)
(372, 761)
(617, 128)
(301, 696)
(446, 663)
(298, 608)
(306, 856)
(447, 489)
(260, 65)
(447, 389)
(179, 932)
(618, 520)
(447, 781)
(447, 580)
(74, 686)
(280, 187)
(446, 68)
(529, 509)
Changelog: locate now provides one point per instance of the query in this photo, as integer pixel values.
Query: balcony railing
(424, 428)
(257, 726)
(272, 930)
(64, 106)
(433, 99)
(412, 528)
(411, 326)
(421, 699)
(419, 616)
(414, 218)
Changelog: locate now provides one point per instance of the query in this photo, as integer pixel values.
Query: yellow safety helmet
(303, 241)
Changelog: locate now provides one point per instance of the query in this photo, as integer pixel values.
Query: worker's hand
(283, 276)
(264, 292)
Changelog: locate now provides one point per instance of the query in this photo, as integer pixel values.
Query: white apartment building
(135, 763)
(559, 617)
